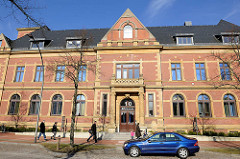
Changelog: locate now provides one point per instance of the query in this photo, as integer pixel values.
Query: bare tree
(230, 61)
(74, 64)
(23, 7)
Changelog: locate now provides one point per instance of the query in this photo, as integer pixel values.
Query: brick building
(161, 77)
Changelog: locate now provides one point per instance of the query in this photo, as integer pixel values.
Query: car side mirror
(149, 141)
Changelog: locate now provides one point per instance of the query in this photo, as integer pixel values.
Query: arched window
(204, 106)
(14, 104)
(127, 32)
(230, 105)
(56, 105)
(35, 103)
(80, 105)
(178, 105)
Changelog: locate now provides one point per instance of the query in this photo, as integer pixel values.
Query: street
(36, 151)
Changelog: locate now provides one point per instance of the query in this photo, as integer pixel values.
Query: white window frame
(177, 38)
(127, 32)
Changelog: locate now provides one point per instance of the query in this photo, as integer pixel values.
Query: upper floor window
(82, 73)
(204, 106)
(74, 43)
(56, 105)
(176, 72)
(104, 104)
(230, 39)
(19, 74)
(80, 106)
(150, 104)
(39, 74)
(14, 104)
(127, 71)
(60, 73)
(178, 105)
(34, 105)
(225, 71)
(229, 105)
(127, 31)
(200, 71)
(187, 40)
(37, 44)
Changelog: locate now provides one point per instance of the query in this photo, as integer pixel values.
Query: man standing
(54, 131)
(94, 132)
(42, 130)
(137, 131)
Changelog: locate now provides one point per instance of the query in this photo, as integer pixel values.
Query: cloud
(234, 11)
(157, 5)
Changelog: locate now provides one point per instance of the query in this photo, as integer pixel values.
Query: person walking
(42, 130)
(54, 130)
(94, 132)
(137, 131)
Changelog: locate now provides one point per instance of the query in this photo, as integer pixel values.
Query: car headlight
(125, 144)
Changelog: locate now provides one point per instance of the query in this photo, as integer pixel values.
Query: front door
(127, 115)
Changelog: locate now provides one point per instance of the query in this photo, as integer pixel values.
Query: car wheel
(183, 153)
(134, 151)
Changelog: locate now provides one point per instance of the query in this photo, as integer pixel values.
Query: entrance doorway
(127, 115)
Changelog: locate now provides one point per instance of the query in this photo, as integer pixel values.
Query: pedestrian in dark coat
(54, 130)
(93, 132)
(42, 130)
(138, 131)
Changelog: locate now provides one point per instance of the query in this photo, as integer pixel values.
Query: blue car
(162, 143)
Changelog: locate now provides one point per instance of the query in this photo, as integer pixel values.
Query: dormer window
(127, 32)
(74, 42)
(38, 43)
(184, 39)
(230, 39)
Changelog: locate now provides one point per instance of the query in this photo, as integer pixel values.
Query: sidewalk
(11, 137)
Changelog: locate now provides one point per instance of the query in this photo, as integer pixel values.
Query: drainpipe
(162, 89)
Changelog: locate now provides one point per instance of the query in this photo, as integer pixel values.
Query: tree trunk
(73, 116)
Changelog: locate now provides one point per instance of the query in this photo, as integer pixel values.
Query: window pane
(119, 74)
(131, 117)
(127, 31)
(198, 74)
(123, 117)
(124, 74)
(203, 74)
(174, 75)
(175, 109)
(179, 74)
(136, 73)
(181, 109)
(232, 109)
(200, 107)
(130, 75)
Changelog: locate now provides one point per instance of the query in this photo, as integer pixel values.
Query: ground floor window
(14, 104)
(56, 105)
(35, 103)
(80, 106)
(104, 104)
(204, 106)
(229, 105)
(178, 105)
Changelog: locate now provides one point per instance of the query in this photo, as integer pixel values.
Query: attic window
(74, 43)
(127, 31)
(188, 40)
(37, 44)
(0, 43)
(230, 39)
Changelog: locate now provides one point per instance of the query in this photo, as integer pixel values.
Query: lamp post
(40, 103)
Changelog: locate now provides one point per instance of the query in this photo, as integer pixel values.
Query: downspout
(162, 88)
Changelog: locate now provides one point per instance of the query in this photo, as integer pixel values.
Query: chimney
(188, 23)
(24, 31)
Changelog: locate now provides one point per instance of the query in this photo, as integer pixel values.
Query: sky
(86, 14)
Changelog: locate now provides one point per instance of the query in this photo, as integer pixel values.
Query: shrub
(206, 133)
(181, 132)
(221, 134)
(233, 134)
(213, 133)
(192, 133)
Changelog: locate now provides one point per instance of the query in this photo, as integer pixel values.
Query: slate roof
(203, 35)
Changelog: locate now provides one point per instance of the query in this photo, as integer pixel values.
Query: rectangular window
(36, 44)
(74, 43)
(150, 104)
(39, 74)
(185, 40)
(0, 43)
(225, 72)
(127, 71)
(176, 72)
(82, 73)
(104, 104)
(60, 73)
(19, 74)
(230, 39)
(200, 71)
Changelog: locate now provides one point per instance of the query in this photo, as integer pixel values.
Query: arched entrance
(127, 115)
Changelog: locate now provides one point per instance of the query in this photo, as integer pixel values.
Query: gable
(137, 33)
(4, 44)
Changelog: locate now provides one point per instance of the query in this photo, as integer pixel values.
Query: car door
(171, 144)
(154, 144)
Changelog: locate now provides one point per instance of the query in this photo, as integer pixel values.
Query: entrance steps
(116, 136)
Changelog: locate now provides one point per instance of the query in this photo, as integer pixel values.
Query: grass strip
(224, 150)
